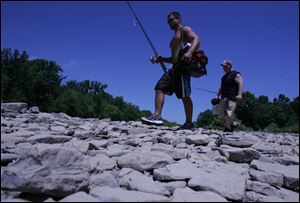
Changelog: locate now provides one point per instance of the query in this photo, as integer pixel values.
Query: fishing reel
(215, 109)
(215, 101)
(153, 59)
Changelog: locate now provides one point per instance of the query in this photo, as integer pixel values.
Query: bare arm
(193, 38)
(219, 92)
(240, 81)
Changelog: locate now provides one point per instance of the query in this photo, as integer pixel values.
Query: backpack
(197, 67)
(201, 61)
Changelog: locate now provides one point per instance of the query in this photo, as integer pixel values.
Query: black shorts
(175, 81)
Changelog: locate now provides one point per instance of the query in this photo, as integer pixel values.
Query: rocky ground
(54, 157)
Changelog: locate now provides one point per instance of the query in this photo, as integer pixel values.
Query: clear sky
(100, 41)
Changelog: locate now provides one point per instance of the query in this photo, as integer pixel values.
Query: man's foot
(230, 130)
(234, 125)
(186, 126)
(152, 120)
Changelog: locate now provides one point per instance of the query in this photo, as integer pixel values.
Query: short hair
(175, 14)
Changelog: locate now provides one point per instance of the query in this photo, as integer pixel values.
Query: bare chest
(177, 41)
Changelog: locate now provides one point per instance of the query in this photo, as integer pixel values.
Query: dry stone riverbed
(54, 157)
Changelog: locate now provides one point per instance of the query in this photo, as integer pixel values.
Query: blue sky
(100, 41)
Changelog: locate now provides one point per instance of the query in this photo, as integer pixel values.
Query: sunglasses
(171, 19)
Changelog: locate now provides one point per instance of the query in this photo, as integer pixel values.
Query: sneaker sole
(150, 122)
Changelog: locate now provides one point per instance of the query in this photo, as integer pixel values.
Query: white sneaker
(153, 119)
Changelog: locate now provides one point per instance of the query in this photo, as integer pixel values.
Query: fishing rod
(154, 50)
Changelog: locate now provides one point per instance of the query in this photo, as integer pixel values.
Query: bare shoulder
(239, 76)
(188, 33)
(186, 29)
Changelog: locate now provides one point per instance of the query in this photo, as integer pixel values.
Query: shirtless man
(176, 80)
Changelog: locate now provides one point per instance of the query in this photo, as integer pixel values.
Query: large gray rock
(268, 148)
(199, 139)
(48, 139)
(79, 197)
(101, 162)
(272, 178)
(235, 142)
(143, 161)
(266, 189)
(182, 170)
(104, 179)
(176, 154)
(48, 169)
(116, 150)
(257, 197)
(229, 185)
(107, 194)
(287, 160)
(135, 180)
(290, 173)
(242, 155)
(189, 195)
(185, 170)
(14, 107)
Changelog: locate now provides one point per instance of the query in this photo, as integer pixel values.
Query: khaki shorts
(227, 107)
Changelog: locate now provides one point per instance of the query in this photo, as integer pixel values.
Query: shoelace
(154, 117)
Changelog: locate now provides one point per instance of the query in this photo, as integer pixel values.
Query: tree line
(40, 82)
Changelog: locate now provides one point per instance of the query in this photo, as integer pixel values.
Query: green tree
(245, 110)
(204, 119)
(295, 106)
(14, 68)
(263, 99)
(43, 82)
(74, 103)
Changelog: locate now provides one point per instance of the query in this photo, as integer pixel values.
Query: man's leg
(155, 119)
(188, 108)
(159, 102)
(162, 87)
(230, 114)
(223, 113)
(221, 109)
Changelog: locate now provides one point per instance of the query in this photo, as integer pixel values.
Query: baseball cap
(227, 62)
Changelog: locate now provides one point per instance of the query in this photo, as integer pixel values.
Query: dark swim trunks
(177, 82)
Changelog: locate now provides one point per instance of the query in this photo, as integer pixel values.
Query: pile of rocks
(55, 157)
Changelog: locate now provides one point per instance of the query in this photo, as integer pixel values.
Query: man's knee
(159, 92)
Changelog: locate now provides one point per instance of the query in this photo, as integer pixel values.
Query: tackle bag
(197, 67)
